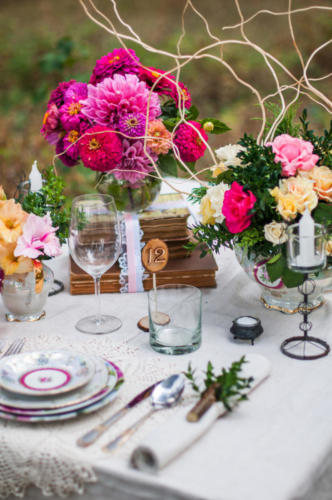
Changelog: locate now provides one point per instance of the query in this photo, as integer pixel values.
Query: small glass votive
(175, 318)
(306, 254)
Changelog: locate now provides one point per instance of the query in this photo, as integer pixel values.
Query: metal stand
(305, 346)
(57, 287)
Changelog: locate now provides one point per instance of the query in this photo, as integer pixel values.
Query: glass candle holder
(306, 254)
(175, 317)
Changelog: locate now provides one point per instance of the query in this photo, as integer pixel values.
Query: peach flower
(11, 219)
(322, 178)
(160, 138)
(11, 264)
(293, 196)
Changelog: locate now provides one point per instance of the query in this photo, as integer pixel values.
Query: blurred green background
(47, 41)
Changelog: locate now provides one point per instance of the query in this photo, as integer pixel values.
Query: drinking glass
(94, 244)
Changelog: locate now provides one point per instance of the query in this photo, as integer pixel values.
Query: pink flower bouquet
(128, 120)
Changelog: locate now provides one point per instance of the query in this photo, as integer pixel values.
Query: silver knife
(91, 436)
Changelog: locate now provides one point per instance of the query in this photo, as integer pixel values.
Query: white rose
(275, 232)
(227, 155)
(214, 200)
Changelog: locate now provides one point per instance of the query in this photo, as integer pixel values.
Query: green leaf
(219, 127)
(323, 214)
(170, 123)
(192, 113)
(168, 165)
(275, 267)
(291, 279)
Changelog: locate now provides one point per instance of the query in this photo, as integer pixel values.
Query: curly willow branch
(302, 85)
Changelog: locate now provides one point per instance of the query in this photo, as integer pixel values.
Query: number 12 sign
(155, 255)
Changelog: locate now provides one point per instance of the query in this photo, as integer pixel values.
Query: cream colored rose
(227, 155)
(211, 204)
(294, 195)
(322, 179)
(328, 247)
(275, 232)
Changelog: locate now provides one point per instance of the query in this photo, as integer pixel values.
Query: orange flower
(11, 264)
(11, 219)
(160, 138)
(322, 177)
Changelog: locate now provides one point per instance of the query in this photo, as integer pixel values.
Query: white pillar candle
(35, 178)
(306, 257)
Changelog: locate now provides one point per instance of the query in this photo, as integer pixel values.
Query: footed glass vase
(25, 295)
(129, 197)
(277, 296)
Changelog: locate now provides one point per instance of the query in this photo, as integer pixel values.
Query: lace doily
(46, 455)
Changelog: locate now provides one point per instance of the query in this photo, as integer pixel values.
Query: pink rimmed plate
(45, 373)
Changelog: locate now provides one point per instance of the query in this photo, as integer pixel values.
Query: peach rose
(322, 178)
(293, 196)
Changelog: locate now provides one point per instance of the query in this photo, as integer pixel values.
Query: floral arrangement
(28, 233)
(256, 191)
(127, 120)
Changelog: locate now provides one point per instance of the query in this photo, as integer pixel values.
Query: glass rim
(174, 286)
(290, 229)
(92, 196)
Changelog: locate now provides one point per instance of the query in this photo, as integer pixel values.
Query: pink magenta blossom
(135, 163)
(166, 85)
(51, 124)
(115, 97)
(60, 150)
(132, 124)
(57, 95)
(120, 61)
(293, 154)
(100, 149)
(190, 145)
(38, 238)
(237, 203)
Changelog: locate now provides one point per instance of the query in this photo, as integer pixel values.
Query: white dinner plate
(115, 377)
(45, 373)
(96, 384)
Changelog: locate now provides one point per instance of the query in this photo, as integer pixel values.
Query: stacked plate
(45, 386)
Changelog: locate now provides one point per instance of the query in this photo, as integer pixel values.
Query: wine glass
(94, 244)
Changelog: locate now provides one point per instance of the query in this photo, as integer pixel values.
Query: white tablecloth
(276, 446)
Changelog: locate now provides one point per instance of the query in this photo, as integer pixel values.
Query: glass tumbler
(175, 318)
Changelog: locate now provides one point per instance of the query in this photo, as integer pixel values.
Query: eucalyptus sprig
(229, 384)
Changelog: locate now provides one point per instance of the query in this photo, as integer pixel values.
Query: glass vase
(21, 298)
(129, 197)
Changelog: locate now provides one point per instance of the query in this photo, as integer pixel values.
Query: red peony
(100, 149)
(237, 204)
(190, 145)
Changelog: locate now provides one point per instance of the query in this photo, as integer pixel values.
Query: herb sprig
(229, 384)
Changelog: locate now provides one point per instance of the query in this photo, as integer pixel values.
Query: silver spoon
(166, 394)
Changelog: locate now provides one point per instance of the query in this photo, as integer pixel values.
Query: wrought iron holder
(302, 342)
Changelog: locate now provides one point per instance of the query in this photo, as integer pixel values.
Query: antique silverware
(91, 436)
(166, 394)
(14, 348)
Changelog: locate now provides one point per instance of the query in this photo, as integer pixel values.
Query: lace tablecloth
(275, 446)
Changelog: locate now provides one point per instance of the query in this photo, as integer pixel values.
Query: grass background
(47, 41)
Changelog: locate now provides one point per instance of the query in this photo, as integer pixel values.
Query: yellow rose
(206, 211)
(303, 191)
(211, 204)
(287, 206)
(322, 178)
(218, 169)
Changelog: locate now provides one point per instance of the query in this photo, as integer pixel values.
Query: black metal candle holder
(301, 343)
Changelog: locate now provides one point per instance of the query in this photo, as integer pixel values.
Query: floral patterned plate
(87, 391)
(45, 373)
(113, 371)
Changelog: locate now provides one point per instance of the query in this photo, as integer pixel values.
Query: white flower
(275, 232)
(227, 155)
(212, 202)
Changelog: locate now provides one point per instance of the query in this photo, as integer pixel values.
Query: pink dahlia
(57, 96)
(132, 124)
(115, 97)
(135, 163)
(100, 149)
(76, 92)
(119, 61)
(166, 85)
(190, 145)
(236, 206)
(293, 154)
(160, 139)
(51, 124)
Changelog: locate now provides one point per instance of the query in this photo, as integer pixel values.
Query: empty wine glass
(95, 243)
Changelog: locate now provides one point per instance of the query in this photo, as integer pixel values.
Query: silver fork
(14, 348)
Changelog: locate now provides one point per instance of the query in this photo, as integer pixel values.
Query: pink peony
(237, 203)
(100, 149)
(135, 163)
(293, 154)
(113, 98)
(119, 61)
(190, 145)
(51, 124)
(57, 96)
(166, 85)
(38, 238)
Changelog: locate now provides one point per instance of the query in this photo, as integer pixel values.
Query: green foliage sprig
(50, 199)
(229, 384)
(322, 144)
